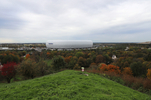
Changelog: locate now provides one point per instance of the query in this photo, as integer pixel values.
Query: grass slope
(67, 85)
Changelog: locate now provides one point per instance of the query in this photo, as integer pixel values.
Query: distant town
(42, 46)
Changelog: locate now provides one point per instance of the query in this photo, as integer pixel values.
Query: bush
(128, 80)
(93, 66)
(147, 84)
(138, 82)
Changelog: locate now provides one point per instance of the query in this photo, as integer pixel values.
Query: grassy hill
(67, 85)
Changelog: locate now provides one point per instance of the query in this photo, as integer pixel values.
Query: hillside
(67, 85)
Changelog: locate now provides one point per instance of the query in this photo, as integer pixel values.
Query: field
(67, 85)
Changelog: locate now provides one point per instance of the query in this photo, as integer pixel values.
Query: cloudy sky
(97, 20)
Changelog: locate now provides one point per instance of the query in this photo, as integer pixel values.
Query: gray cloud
(97, 20)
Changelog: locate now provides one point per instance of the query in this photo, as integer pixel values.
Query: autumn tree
(72, 62)
(67, 59)
(35, 56)
(127, 71)
(149, 73)
(27, 56)
(113, 68)
(110, 68)
(27, 68)
(8, 70)
(123, 62)
(103, 67)
(99, 59)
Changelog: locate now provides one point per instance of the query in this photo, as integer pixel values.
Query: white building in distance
(68, 44)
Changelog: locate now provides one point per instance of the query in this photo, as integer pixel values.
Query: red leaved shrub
(8, 70)
(128, 80)
(93, 66)
(138, 82)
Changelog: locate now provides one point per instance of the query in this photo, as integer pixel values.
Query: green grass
(69, 85)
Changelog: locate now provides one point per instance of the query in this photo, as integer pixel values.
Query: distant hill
(69, 85)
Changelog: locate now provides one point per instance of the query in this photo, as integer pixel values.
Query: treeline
(135, 61)
(11, 56)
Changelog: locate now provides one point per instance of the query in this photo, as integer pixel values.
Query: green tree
(79, 54)
(82, 62)
(42, 67)
(58, 63)
(136, 68)
(107, 59)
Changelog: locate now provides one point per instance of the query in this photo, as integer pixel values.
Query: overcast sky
(97, 20)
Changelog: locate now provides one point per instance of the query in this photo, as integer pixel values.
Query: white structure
(114, 57)
(68, 44)
(126, 48)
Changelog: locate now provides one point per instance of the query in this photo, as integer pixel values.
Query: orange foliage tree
(110, 68)
(27, 56)
(127, 71)
(48, 54)
(103, 67)
(149, 73)
(67, 59)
